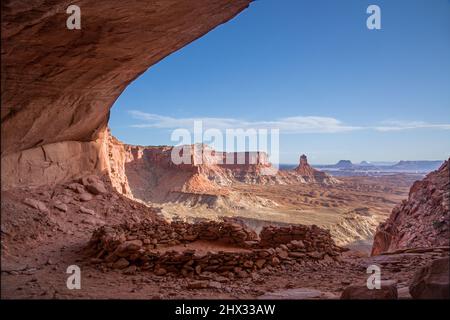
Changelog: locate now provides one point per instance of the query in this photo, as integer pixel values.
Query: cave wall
(52, 163)
(58, 84)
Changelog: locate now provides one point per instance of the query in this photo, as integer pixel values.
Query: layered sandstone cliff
(149, 173)
(152, 174)
(59, 84)
(421, 221)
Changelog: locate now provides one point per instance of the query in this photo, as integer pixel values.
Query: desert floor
(37, 247)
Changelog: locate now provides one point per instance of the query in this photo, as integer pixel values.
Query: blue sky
(335, 89)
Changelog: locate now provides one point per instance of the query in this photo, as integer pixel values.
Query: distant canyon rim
(140, 226)
(256, 192)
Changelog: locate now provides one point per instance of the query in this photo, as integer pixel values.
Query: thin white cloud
(309, 124)
(394, 125)
(298, 124)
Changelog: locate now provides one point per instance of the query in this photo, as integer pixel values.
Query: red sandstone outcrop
(151, 174)
(312, 175)
(361, 292)
(52, 163)
(58, 84)
(432, 281)
(421, 221)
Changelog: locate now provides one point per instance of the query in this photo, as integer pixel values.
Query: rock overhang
(59, 84)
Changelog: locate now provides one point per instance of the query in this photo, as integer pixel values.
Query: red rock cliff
(421, 221)
(148, 172)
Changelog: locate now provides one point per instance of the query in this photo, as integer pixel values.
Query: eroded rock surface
(362, 292)
(312, 175)
(432, 281)
(58, 84)
(200, 174)
(421, 221)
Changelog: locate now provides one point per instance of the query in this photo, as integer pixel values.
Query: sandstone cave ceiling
(59, 84)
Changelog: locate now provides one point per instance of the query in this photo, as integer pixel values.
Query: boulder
(201, 284)
(128, 247)
(121, 263)
(96, 187)
(92, 221)
(76, 187)
(260, 263)
(85, 197)
(36, 204)
(61, 206)
(160, 271)
(431, 281)
(87, 211)
(361, 292)
(214, 285)
(130, 270)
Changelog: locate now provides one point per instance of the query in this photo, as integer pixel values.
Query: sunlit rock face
(309, 174)
(149, 173)
(59, 84)
(421, 221)
(304, 168)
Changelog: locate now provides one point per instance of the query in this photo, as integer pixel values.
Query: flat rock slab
(388, 291)
(298, 294)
